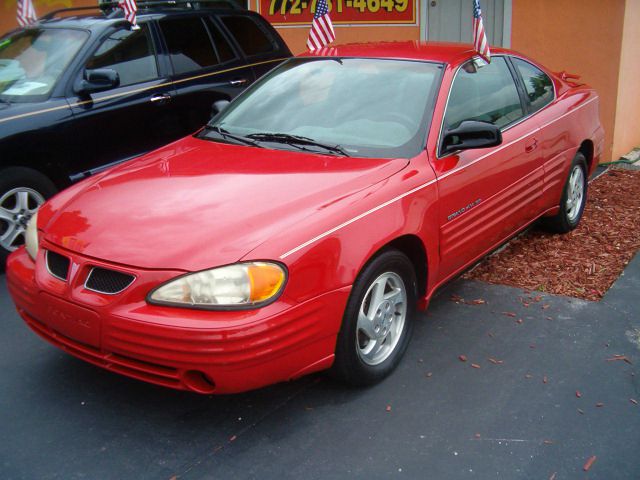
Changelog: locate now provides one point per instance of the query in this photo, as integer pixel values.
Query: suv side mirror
(471, 134)
(98, 80)
(218, 106)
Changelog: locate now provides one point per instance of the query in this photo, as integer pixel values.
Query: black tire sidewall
(15, 177)
(348, 365)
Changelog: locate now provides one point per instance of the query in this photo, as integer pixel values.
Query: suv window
(537, 83)
(188, 43)
(251, 38)
(128, 52)
(32, 61)
(484, 92)
(225, 53)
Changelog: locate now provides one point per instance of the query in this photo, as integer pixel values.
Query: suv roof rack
(108, 6)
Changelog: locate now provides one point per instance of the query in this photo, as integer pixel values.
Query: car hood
(196, 204)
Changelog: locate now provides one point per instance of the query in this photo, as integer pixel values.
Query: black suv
(80, 93)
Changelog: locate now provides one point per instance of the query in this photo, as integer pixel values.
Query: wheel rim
(17, 206)
(381, 319)
(575, 194)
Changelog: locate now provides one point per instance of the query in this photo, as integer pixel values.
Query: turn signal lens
(250, 284)
(265, 279)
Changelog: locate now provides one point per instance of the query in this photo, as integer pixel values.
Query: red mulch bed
(585, 262)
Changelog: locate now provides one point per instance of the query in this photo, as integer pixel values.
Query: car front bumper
(202, 351)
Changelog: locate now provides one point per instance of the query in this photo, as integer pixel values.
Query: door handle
(532, 146)
(238, 82)
(160, 98)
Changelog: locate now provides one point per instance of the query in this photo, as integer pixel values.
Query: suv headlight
(242, 285)
(31, 237)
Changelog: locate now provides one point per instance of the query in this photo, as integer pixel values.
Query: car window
(537, 83)
(225, 53)
(483, 92)
(32, 61)
(128, 52)
(188, 43)
(370, 107)
(251, 38)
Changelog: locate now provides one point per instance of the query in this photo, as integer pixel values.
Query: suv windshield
(351, 106)
(31, 61)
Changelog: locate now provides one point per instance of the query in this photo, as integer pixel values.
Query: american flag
(26, 13)
(130, 8)
(480, 42)
(321, 32)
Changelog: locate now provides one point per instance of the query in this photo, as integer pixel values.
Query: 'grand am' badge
(463, 209)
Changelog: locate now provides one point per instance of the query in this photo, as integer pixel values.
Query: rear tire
(378, 321)
(573, 200)
(22, 191)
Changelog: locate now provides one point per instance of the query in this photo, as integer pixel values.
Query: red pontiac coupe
(304, 225)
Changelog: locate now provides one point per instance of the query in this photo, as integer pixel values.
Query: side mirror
(98, 80)
(471, 134)
(218, 106)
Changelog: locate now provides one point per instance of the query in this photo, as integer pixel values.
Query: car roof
(440, 52)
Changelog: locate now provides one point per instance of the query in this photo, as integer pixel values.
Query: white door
(452, 20)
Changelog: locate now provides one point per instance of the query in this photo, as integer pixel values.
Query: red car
(300, 230)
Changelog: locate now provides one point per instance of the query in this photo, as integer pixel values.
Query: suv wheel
(22, 191)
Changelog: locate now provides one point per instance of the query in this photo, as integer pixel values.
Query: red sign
(300, 12)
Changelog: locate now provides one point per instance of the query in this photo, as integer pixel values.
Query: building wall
(582, 37)
(627, 121)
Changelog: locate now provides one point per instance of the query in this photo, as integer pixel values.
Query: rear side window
(188, 43)
(484, 92)
(128, 52)
(537, 83)
(251, 38)
(225, 53)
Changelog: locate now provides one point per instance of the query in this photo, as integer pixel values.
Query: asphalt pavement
(556, 385)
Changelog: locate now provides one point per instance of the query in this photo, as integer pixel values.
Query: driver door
(486, 194)
(130, 119)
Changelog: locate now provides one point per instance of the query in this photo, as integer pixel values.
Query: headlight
(251, 284)
(31, 237)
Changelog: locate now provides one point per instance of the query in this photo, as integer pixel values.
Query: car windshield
(343, 106)
(32, 60)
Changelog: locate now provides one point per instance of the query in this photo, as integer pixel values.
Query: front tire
(573, 200)
(22, 191)
(378, 321)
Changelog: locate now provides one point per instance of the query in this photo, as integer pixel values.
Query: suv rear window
(188, 43)
(251, 38)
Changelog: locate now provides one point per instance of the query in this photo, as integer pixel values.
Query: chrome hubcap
(381, 319)
(17, 206)
(575, 196)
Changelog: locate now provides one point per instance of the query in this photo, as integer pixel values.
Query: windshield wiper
(296, 140)
(5, 102)
(226, 134)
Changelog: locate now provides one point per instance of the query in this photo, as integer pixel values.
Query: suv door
(486, 195)
(205, 67)
(129, 119)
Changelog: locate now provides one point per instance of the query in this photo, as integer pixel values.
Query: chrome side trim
(138, 90)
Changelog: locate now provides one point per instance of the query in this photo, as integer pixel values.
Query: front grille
(58, 265)
(102, 280)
